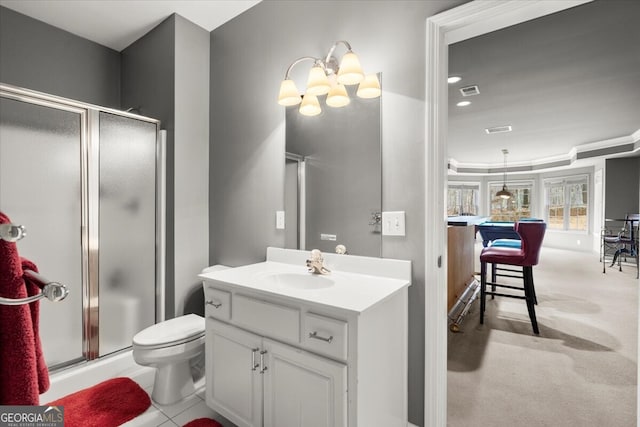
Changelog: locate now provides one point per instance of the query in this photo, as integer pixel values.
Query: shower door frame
(89, 207)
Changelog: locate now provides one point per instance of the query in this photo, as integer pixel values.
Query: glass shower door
(41, 188)
(127, 256)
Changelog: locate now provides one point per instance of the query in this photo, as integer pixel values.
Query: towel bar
(53, 291)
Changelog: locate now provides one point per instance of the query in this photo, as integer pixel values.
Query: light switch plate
(280, 220)
(393, 223)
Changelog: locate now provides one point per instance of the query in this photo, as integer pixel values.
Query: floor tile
(152, 417)
(176, 408)
(168, 424)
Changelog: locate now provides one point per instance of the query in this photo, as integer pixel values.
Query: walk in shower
(86, 183)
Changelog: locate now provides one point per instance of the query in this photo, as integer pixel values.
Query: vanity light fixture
(504, 193)
(328, 77)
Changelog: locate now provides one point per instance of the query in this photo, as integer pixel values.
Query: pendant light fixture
(504, 193)
(328, 77)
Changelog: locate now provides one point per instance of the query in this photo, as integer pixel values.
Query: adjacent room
(542, 126)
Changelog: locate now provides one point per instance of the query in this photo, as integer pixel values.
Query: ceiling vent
(469, 90)
(498, 129)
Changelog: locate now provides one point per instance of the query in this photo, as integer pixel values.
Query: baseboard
(411, 425)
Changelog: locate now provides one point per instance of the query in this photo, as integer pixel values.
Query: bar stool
(531, 235)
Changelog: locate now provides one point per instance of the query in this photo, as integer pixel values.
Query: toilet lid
(180, 329)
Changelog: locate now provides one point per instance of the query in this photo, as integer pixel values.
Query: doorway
(463, 22)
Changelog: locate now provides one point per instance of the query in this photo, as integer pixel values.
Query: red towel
(23, 371)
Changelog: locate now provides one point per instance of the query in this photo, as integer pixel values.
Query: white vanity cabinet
(326, 357)
(246, 373)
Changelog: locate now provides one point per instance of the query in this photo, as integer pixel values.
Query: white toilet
(169, 346)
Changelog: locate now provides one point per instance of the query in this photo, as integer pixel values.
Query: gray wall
(37, 56)
(165, 74)
(249, 56)
(148, 85)
(191, 162)
(621, 187)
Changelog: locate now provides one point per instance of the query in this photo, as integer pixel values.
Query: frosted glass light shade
(350, 71)
(310, 105)
(338, 96)
(317, 83)
(369, 87)
(289, 94)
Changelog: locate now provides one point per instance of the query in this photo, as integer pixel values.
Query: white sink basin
(355, 283)
(299, 281)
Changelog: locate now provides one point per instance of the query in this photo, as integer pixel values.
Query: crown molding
(606, 148)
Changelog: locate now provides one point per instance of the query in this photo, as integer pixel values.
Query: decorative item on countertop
(341, 249)
(316, 263)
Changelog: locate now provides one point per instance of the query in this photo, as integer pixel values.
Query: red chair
(531, 235)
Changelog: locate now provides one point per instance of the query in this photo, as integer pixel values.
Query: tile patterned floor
(177, 414)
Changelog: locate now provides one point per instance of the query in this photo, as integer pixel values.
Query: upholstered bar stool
(516, 273)
(531, 235)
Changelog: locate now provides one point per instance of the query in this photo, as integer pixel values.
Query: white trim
(571, 156)
(460, 23)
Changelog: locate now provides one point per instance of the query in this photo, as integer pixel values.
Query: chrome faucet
(316, 263)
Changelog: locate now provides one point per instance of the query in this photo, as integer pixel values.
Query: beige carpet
(581, 369)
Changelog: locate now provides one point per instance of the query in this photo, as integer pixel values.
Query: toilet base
(172, 383)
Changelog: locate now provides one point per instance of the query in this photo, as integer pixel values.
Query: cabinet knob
(215, 304)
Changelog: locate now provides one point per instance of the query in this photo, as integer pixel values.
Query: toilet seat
(171, 332)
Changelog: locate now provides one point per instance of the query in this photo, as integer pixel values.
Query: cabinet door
(234, 382)
(302, 389)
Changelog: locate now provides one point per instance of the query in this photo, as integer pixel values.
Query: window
(462, 199)
(567, 203)
(514, 208)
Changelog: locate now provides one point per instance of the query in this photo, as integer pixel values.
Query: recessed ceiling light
(454, 79)
(463, 103)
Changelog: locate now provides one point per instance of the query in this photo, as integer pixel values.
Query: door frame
(463, 22)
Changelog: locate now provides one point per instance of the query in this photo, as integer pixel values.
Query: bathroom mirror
(333, 178)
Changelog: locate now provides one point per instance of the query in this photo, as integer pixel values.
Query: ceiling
(561, 81)
(118, 23)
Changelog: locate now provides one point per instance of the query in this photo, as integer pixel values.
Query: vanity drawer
(217, 303)
(270, 320)
(325, 335)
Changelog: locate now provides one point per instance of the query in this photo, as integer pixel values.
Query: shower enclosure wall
(86, 182)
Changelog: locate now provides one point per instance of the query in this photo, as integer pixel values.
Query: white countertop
(350, 291)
